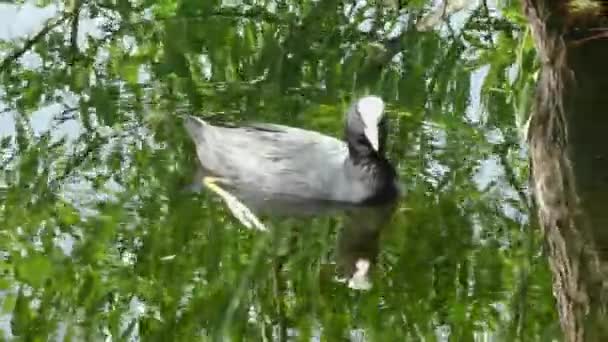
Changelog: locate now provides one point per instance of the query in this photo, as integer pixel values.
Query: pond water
(100, 240)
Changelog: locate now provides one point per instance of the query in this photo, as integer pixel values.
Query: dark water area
(100, 240)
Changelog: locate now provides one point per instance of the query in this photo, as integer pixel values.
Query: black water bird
(281, 169)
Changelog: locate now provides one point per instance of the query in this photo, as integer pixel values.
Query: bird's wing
(272, 159)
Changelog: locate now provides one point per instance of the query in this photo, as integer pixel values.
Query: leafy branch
(29, 43)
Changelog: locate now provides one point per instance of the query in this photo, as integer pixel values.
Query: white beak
(371, 132)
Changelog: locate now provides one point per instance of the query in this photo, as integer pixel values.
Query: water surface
(98, 238)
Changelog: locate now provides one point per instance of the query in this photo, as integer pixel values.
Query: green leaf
(34, 270)
(67, 215)
(8, 304)
(22, 315)
(5, 284)
(129, 71)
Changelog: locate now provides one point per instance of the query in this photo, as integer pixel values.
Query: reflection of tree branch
(520, 295)
(93, 144)
(502, 151)
(252, 13)
(65, 115)
(521, 301)
(278, 290)
(519, 318)
(49, 26)
(256, 13)
(75, 161)
(9, 159)
(455, 49)
(457, 46)
(75, 24)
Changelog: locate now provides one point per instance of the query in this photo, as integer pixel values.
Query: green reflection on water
(99, 238)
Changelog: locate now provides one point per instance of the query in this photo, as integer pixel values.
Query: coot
(286, 170)
(275, 161)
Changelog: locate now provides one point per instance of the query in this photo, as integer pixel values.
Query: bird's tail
(195, 128)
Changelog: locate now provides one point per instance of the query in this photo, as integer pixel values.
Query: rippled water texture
(101, 237)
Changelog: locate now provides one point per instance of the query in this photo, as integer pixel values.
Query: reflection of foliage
(97, 226)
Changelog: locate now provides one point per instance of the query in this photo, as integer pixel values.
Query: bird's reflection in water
(276, 169)
(358, 242)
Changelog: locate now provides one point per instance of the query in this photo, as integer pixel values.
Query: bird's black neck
(361, 150)
(374, 167)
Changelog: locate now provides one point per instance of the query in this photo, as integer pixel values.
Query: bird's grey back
(275, 160)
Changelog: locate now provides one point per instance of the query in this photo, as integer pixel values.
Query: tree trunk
(568, 139)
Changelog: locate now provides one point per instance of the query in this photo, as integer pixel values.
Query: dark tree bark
(568, 137)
